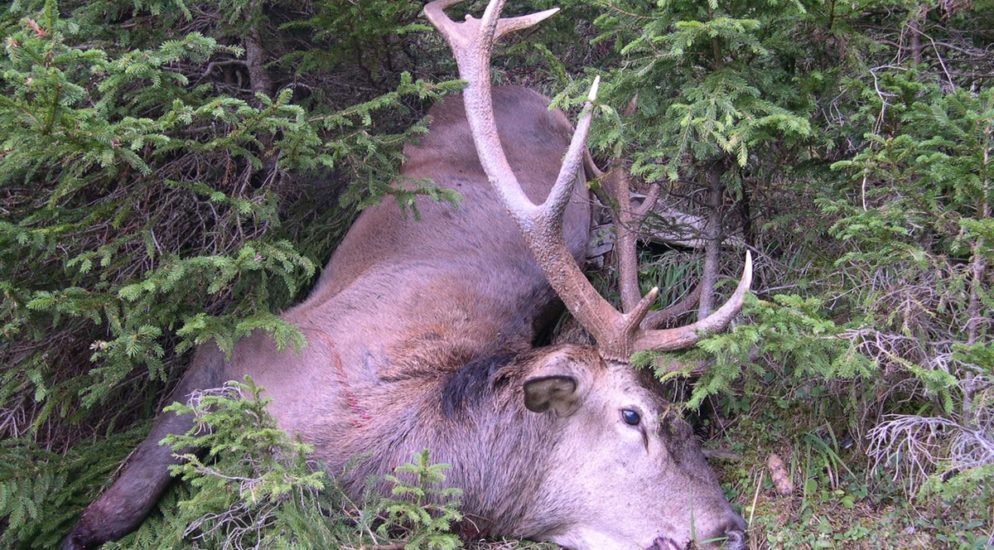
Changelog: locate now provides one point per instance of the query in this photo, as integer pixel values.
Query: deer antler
(618, 334)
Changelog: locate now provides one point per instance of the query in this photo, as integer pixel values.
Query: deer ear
(559, 380)
(557, 392)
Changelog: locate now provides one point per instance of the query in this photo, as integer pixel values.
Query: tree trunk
(260, 83)
(745, 213)
(255, 58)
(712, 250)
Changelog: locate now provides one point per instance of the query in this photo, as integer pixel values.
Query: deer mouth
(733, 540)
(663, 542)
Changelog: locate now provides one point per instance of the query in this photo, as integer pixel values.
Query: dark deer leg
(145, 475)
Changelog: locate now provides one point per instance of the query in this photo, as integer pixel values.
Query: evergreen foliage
(428, 510)
(709, 81)
(175, 172)
(255, 487)
(41, 492)
(152, 198)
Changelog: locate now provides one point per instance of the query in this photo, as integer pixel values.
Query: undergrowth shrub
(918, 243)
(424, 507)
(247, 484)
(42, 491)
(148, 204)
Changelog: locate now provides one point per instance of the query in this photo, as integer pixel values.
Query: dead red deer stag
(420, 336)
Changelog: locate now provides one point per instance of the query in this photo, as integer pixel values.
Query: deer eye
(632, 418)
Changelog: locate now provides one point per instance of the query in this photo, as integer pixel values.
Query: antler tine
(686, 336)
(435, 12)
(627, 221)
(649, 201)
(451, 30)
(471, 43)
(626, 234)
(558, 198)
(510, 24)
(656, 319)
(590, 166)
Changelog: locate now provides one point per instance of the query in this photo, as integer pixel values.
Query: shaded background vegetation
(176, 172)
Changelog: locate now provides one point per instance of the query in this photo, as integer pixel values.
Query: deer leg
(145, 475)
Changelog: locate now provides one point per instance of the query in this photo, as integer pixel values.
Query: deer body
(420, 335)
